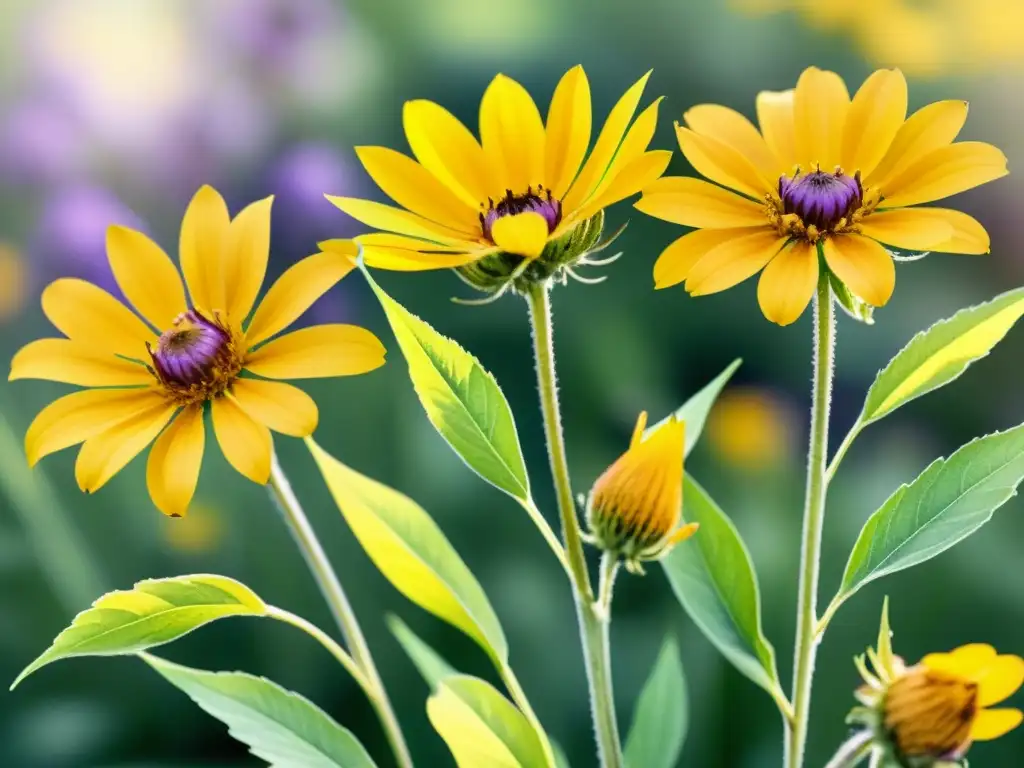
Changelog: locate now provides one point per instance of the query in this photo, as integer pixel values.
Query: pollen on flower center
(541, 201)
(196, 359)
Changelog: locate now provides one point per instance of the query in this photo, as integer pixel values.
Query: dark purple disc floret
(188, 352)
(821, 199)
(540, 202)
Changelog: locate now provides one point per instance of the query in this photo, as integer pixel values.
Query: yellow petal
(410, 260)
(146, 275)
(676, 261)
(280, 406)
(71, 362)
(917, 229)
(633, 146)
(204, 237)
(245, 259)
(968, 234)
(733, 262)
(640, 173)
(512, 135)
(524, 234)
(777, 119)
(992, 723)
(568, 131)
(863, 265)
(698, 203)
(972, 659)
(730, 127)
(788, 283)
(721, 163)
(380, 216)
(820, 106)
(876, 114)
(606, 146)
(943, 172)
(295, 291)
(447, 149)
(90, 315)
(320, 351)
(74, 418)
(414, 187)
(105, 454)
(247, 444)
(391, 240)
(1000, 680)
(172, 470)
(928, 129)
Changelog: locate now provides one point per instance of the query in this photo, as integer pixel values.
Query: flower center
(825, 201)
(196, 359)
(930, 713)
(540, 202)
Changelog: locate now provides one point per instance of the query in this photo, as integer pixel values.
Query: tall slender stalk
(814, 513)
(315, 557)
(593, 625)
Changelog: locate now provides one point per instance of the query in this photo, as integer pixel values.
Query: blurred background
(115, 111)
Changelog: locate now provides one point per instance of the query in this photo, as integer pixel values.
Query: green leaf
(714, 579)
(660, 718)
(152, 613)
(694, 412)
(461, 398)
(428, 661)
(561, 760)
(940, 354)
(281, 727)
(949, 501)
(481, 727)
(412, 553)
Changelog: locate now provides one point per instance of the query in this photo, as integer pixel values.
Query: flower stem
(814, 513)
(593, 628)
(316, 559)
(850, 754)
(327, 642)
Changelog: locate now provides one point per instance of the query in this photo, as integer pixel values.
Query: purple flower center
(192, 351)
(540, 202)
(821, 199)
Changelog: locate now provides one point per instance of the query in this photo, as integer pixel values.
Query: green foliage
(428, 661)
(281, 727)
(694, 412)
(661, 716)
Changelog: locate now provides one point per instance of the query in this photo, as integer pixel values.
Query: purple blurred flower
(40, 144)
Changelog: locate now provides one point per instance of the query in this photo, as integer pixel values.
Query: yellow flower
(750, 428)
(636, 506)
(826, 176)
(151, 378)
(522, 191)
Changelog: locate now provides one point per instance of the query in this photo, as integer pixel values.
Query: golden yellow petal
(319, 351)
(722, 164)
(943, 172)
(88, 314)
(788, 283)
(172, 470)
(567, 131)
(863, 265)
(412, 260)
(146, 276)
(204, 238)
(280, 406)
(524, 234)
(999, 680)
(246, 254)
(820, 105)
(730, 127)
(675, 262)
(512, 135)
(72, 362)
(876, 115)
(380, 216)
(391, 240)
(992, 723)
(917, 229)
(698, 203)
(928, 129)
(247, 444)
(105, 454)
(640, 173)
(633, 147)
(777, 119)
(733, 261)
(969, 236)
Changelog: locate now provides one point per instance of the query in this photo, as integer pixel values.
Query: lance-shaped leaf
(412, 553)
(940, 354)
(949, 501)
(694, 412)
(427, 661)
(660, 718)
(282, 728)
(152, 613)
(714, 580)
(461, 398)
(481, 727)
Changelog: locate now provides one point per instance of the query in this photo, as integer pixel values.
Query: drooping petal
(75, 418)
(638, 175)
(146, 276)
(86, 313)
(928, 129)
(204, 238)
(917, 229)
(787, 284)
(992, 723)
(820, 105)
(698, 203)
(943, 172)
(245, 259)
(319, 351)
(413, 260)
(777, 119)
(733, 261)
(675, 262)
(512, 135)
(391, 240)
(733, 129)
(878, 110)
(722, 164)
(247, 444)
(72, 362)
(105, 454)
(863, 265)
(295, 291)
(280, 406)
(172, 470)
(390, 219)
(524, 234)
(567, 131)
(1000, 680)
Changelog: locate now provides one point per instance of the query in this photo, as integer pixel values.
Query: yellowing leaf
(152, 613)
(412, 553)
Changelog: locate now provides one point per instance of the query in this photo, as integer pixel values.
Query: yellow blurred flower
(749, 428)
(827, 180)
(201, 531)
(527, 193)
(13, 281)
(636, 506)
(142, 380)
